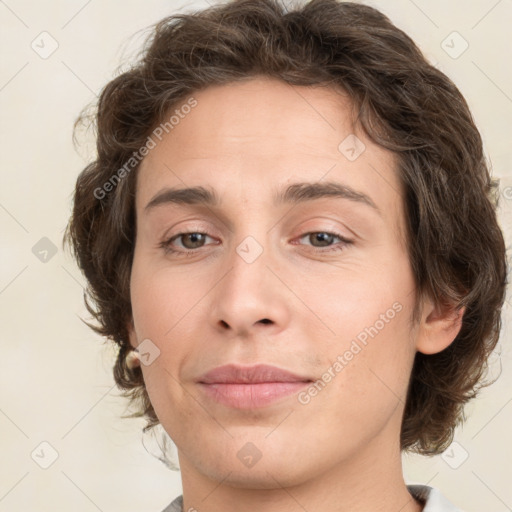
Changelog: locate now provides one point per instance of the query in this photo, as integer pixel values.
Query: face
(313, 279)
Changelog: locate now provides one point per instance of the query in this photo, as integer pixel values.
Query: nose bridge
(251, 249)
(249, 292)
(249, 276)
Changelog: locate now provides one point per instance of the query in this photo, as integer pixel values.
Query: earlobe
(439, 326)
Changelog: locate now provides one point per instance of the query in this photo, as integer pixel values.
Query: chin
(253, 462)
(261, 476)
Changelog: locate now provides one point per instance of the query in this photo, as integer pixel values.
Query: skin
(341, 451)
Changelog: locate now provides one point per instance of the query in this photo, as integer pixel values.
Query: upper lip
(236, 374)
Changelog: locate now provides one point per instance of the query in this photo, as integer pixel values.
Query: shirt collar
(433, 499)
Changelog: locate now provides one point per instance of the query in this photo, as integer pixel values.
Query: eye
(325, 239)
(193, 240)
(189, 242)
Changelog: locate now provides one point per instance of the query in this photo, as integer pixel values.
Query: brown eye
(325, 239)
(189, 243)
(192, 240)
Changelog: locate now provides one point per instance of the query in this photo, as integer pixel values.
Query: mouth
(251, 387)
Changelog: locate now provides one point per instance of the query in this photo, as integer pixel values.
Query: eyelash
(166, 244)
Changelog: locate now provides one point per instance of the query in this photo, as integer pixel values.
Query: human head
(400, 102)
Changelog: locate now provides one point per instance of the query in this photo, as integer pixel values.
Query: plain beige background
(56, 386)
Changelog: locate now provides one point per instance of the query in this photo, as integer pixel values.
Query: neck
(370, 480)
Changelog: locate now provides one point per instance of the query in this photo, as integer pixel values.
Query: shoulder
(433, 499)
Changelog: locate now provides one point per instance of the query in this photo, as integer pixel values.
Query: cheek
(359, 301)
(162, 298)
(364, 381)
(373, 347)
(368, 356)
(166, 306)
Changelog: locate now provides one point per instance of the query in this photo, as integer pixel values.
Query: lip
(249, 387)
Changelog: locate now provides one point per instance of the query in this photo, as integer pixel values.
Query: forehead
(248, 139)
(267, 115)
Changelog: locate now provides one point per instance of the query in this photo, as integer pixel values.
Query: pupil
(323, 237)
(195, 237)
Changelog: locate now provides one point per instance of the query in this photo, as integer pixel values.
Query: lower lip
(250, 396)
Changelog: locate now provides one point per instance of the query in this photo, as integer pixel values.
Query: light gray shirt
(433, 500)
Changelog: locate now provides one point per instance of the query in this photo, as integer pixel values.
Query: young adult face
(275, 283)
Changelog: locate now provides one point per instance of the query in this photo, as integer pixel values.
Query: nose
(250, 298)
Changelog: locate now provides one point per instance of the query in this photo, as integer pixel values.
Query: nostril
(266, 321)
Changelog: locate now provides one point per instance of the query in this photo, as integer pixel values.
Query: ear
(439, 326)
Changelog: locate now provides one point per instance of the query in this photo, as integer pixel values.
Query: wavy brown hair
(402, 102)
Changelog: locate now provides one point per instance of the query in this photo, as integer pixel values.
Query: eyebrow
(294, 193)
